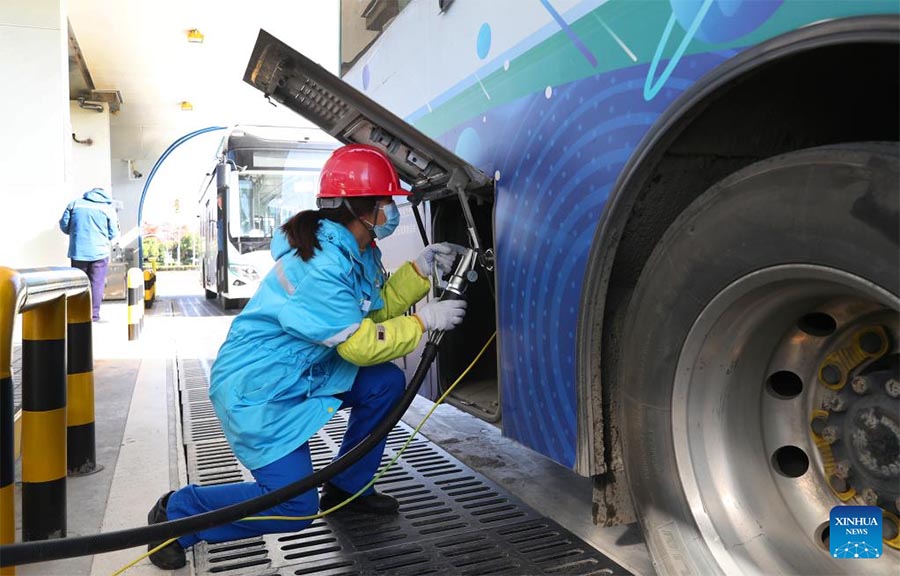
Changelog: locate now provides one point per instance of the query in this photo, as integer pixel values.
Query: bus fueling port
(479, 392)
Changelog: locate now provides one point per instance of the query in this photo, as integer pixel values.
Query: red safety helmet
(358, 170)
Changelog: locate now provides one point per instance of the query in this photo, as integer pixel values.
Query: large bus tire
(760, 310)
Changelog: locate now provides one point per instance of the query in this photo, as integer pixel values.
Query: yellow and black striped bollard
(149, 287)
(82, 454)
(7, 462)
(44, 421)
(135, 296)
(10, 286)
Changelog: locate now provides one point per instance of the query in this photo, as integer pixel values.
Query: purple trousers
(96, 273)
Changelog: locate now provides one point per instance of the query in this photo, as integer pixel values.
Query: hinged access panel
(288, 77)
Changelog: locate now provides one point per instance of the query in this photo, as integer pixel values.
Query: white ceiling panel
(140, 48)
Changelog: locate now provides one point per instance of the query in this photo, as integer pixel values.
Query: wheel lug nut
(842, 469)
(889, 530)
(818, 424)
(860, 385)
(892, 387)
(834, 403)
(838, 484)
(870, 342)
(830, 434)
(831, 374)
(870, 497)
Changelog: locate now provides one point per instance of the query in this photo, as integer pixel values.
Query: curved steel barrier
(57, 437)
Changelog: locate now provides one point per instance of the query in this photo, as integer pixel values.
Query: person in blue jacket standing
(91, 223)
(318, 335)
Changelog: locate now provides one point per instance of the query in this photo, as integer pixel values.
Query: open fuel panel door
(461, 196)
(290, 78)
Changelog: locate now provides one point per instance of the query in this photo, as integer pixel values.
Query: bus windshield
(266, 200)
(273, 185)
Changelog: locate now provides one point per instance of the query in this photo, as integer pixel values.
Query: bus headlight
(243, 274)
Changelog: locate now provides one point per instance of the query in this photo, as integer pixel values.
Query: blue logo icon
(855, 532)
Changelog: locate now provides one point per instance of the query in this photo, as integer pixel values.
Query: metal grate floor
(187, 306)
(452, 520)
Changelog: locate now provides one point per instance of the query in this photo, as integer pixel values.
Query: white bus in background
(262, 176)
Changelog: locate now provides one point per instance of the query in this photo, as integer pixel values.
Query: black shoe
(172, 556)
(376, 503)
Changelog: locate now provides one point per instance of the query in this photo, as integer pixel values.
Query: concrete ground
(138, 441)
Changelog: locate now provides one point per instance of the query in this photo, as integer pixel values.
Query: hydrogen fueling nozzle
(463, 275)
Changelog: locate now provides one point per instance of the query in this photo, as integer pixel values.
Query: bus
(689, 212)
(261, 177)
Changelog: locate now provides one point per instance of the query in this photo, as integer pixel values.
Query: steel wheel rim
(757, 511)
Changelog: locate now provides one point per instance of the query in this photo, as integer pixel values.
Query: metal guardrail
(57, 414)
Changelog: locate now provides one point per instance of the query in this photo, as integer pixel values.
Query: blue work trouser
(375, 391)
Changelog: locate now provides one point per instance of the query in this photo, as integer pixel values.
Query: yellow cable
(361, 490)
(144, 555)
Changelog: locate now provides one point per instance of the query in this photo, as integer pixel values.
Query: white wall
(35, 128)
(128, 191)
(90, 165)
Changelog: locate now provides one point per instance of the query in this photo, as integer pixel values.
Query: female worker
(319, 334)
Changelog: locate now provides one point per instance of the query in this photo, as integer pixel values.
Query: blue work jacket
(274, 381)
(90, 222)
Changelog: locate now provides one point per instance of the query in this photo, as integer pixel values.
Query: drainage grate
(193, 306)
(451, 520)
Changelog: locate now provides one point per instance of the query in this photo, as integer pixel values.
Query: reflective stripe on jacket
(274, 381)
(386, 334)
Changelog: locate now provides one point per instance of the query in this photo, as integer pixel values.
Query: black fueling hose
(46, 550)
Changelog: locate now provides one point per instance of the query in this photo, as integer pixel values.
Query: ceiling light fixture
(186, 106)
(195, 36)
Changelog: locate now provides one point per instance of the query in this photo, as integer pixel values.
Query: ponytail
(301, 230)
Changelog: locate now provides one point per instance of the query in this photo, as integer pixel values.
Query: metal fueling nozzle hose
(47, 550)
(463, 275)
